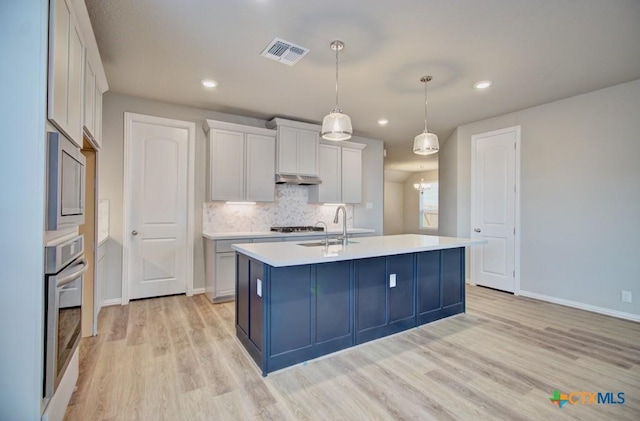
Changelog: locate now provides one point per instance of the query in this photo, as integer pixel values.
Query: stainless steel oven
(65, 266)
(65, 183)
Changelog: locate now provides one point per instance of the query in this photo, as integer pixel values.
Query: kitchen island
(299, 301)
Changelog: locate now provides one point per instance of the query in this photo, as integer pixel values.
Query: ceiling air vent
(284, 52)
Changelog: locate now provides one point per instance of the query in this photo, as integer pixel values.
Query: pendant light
(336, 125)
(422, 186)
(425, 143)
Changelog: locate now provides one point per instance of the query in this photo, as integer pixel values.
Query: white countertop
(292, 254)
(263, 234)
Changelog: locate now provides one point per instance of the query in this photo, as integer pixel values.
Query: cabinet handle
(134, 232)
(259, 287)
(477, 229)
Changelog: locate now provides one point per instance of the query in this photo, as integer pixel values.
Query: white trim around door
(129, 120)
(515, 131)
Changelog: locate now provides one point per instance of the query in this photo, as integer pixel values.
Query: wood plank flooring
(177, 358)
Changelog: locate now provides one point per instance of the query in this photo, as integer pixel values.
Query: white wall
(448, 186)
(23, 42)
(412, 203)
(580, 195)
(393, 208)
(111, 175)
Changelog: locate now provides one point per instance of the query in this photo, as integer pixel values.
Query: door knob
(477, 229)
(134, 232)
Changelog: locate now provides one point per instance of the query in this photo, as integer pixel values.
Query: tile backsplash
(289, 208)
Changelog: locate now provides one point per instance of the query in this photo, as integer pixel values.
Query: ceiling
(534, 52)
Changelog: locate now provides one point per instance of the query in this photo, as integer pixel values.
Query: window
(428, 203)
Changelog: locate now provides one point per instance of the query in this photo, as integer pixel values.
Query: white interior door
(158, 230)
(494, 208)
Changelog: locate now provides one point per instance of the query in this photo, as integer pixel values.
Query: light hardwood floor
(177, 358)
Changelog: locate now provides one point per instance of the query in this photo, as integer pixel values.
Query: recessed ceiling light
(483, 84)
(383, 122)
(208, 83)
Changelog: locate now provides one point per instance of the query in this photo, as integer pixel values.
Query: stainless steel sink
(332, 242)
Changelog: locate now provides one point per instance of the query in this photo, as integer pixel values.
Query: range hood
(300, 180)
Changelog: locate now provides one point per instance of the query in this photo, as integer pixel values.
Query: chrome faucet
(344, 223)
(326, 232)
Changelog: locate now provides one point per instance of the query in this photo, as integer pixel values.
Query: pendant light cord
(337, 107)
(425, 107)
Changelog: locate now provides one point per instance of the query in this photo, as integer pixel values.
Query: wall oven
(65, 266)
(65, 183)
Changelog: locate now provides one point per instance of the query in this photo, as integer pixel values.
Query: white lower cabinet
(225, 274)
(220, 267)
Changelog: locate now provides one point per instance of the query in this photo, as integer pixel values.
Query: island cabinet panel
(309, 312)
(385, 296)
(440, 279)
(290, 300)
(452, 264)
(256, 281)
(249, 306)
(429, 291)
(371, 295)
(333, 304)
(401, 296)
(242, 291)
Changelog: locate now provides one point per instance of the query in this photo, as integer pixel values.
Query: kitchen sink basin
(333, 242)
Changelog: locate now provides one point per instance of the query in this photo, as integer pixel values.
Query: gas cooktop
(297, 229)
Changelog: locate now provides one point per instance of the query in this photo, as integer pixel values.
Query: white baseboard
(197, 291)
(581, 306)
(112, 302)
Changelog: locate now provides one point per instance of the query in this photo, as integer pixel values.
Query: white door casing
(495, 189)
(158, 207)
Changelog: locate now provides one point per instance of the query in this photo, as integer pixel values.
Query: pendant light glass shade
(425, 143)
(336, 125)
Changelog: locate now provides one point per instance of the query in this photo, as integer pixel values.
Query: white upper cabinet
(226, 164)
(75, 70)
(89, 97)
(297, 147)
(259, 167)
(241, 162)
(340, 167)
(351, 167)
(330, 191)
(66, 63)
(92, 117)
(97, 109)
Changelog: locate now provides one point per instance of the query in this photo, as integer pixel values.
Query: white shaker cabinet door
(351, 175)
(89, 99)
(260, 168)
(330, 174)
(307, 152)
(66, 55)
(59, 63)
(227, 165)
(76, 88)
(225, 274)
(287, 150)
(97, 134)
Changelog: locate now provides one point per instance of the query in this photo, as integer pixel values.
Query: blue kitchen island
(297, 301)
